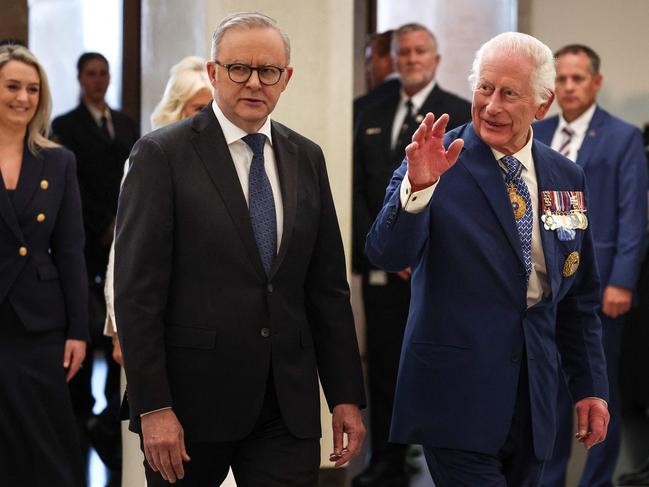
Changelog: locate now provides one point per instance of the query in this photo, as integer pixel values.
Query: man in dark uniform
(101, 139)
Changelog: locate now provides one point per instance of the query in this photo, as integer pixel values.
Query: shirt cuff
(154, 411)
(599, 399)
(415, 202)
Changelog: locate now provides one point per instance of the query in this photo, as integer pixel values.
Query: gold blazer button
(40, 218)
(22, 251)
(45, 184)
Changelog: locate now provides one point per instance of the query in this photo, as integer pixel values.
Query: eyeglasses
(240, 73)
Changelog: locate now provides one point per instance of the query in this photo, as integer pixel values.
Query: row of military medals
(564, 212)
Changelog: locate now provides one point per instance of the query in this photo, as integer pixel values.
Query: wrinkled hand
(74, 353)
(117, 351)
(616, 301)
(405, 274)
(592, 421)
(164, 444)
(427, 157)
(346, 419)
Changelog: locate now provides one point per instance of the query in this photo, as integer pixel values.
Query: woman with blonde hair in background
(187, 92)
(43, 284)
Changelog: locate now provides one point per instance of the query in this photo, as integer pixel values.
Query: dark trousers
(386, 314)
(515, 464)
(270, 456)
(602, 458)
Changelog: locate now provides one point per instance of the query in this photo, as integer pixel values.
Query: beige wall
(616, 30)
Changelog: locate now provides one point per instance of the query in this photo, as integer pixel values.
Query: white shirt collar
(418, 98)
(96, 113)
(524, 155)
(581, 123)
(233, 133)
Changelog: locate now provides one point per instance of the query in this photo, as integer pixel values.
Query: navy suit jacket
(469, 325)
(47, 286)
(612, 156)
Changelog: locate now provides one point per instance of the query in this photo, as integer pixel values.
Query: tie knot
(256, 143)
(512, 167)
(567, 131)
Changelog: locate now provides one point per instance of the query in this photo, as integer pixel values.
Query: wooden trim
(131, 59)
(14, 21)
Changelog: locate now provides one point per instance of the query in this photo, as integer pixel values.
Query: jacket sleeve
(632, 212)
(397, 237)
(328, 307)
(143, 254)
(579, 330)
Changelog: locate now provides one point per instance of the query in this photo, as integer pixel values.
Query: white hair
(516, 43)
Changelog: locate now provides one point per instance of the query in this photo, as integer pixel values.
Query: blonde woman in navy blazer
(43, 301)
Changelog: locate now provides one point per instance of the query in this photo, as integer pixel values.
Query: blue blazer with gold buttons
(42, 268)
(469, 327)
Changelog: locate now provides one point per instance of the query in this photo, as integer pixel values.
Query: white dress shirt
(96, 114)
(538, 284)
(242, 156)
(418, 100)
(579, 126)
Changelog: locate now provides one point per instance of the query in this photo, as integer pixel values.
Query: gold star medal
(571, 264)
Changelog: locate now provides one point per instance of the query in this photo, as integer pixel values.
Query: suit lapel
(591, 138)
(209, 142)
(478, 159)
(546, 180)
(287, 167)
(30, 176)
(8, 214)
(86, 117)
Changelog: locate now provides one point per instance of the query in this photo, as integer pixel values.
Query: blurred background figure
(43, 289)
(385, 127)
(187, 92)
(101, 139)
(611, 152)
(380, 77)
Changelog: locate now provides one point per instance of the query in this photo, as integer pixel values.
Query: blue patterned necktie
(261, 204)
(519, 196)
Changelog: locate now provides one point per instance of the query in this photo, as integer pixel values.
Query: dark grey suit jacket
(201, 324)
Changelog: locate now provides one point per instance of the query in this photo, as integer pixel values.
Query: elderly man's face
(248, 104)
(504, 105)
(576, 85)
(416, 60)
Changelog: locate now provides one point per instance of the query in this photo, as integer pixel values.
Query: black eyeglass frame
(251, 69)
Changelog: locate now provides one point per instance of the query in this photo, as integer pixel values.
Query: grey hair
(39, 126)
(186, 78)
(406, 28)
(513, 43)
(248, 20)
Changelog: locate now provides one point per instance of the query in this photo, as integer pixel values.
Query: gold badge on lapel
(571, 264)
(419, 118)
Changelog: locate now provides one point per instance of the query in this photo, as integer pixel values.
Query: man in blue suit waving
(495, 228)
(611, 154)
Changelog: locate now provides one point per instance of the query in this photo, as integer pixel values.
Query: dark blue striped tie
(261, 204)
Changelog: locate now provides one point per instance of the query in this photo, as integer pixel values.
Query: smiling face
(576, 85)
(416, 60)
(504, 102)
(19, 94)
(248, 104)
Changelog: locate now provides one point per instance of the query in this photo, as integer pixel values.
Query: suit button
(265, 332)
(40, 218)
(269, 287)
(22, 251)
(44, 184)
(516, 358)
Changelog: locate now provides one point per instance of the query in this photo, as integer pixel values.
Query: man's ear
(544, 107)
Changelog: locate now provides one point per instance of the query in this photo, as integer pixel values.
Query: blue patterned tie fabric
(261, 204)
(517, 189)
